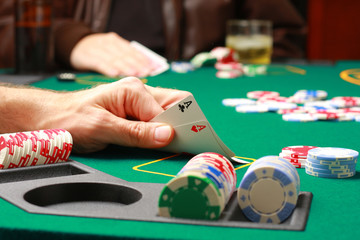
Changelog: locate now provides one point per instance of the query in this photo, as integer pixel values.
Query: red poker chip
(347, 101)
(260, 94)
(228, 58)
(327, 114)
(272, 99)
(297, 151)
(295, 110)
(228, 66)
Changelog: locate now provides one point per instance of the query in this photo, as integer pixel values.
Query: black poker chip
(66, 77)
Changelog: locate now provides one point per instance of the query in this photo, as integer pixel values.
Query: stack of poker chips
(331, 162)
(296, 155)
(314, 106)
(200, 190)
(269, 190)
(33, 148)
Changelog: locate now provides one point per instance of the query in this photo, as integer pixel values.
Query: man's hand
(115, 113)
(111, 55)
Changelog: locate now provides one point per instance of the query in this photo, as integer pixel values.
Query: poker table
(334, 210)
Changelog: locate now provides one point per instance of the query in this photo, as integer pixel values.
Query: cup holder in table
(65, 194)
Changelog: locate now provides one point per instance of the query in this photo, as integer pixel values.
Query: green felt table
(334, 210)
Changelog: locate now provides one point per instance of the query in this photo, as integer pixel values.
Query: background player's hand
(109, 54)
(116, 113)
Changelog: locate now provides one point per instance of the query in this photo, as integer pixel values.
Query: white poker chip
(275, 106)
(220, 52)
(311, 94)
(233, 102)
(228, 74)
(321, 104)
(357, 118)
(260, 94)
(182, 67)
(229, 66)
(252, 108)
(299, 117)
(295, 110)
(346, 118)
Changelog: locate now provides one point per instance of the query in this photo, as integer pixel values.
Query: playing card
(159, 62)
(195, 138)
(185, 111)
(193, 132)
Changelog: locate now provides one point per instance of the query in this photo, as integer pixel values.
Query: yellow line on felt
(245, 165)
(136, 168)
(295, 69)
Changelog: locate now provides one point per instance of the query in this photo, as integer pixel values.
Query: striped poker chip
(311, 94)
(321, 104)
(329, 171)
(260, 94)
(220, 52)
(329, 166)
(190, 195)
(25, 149)
(279, 161)
(324, 175)
(297, 151)
(346, 101)
(203, 59)
(229, 66)
(276, 106)
(268, 192)
(233, 102)
(259, 108)
(327, 114)
(331, 162)
(299, 117)
(272, 99)
(345, 118)
(333, 154)
(182, 67)
(200, 190)
(228, 74)
(294, 110)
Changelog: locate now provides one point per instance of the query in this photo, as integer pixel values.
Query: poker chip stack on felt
(200, 190)
(329, 162)
(269, 190)
(226, 64)
(34, 148)
(303, 106)
(296, 155)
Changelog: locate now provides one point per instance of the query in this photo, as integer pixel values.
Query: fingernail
(162, 133)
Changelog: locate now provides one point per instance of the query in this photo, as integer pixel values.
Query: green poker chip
(191, 196)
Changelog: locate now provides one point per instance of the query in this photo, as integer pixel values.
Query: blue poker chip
(182, 67)
(324, 175)
(333, 154)
(233, 102)
(275, 106)
(331, 162)
(280, 161)
(331, 167)
(268, 191)
(280, 164)
(259, 108)
(299, 117)
(329, 171)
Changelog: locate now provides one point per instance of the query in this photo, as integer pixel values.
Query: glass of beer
(251, 40)
(33, 20)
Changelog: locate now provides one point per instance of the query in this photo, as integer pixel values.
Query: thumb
(143, 134)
